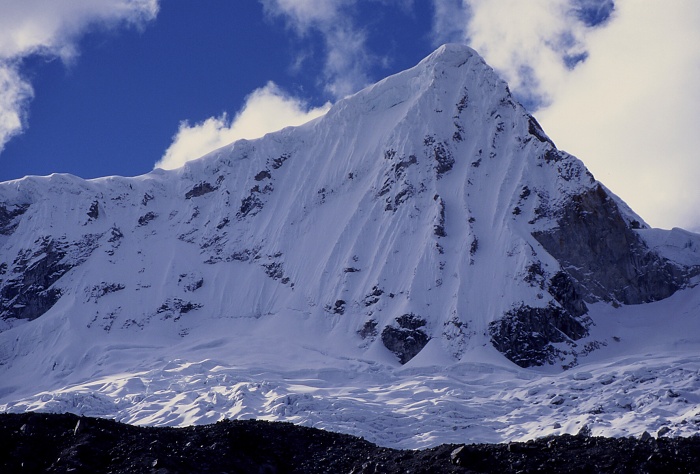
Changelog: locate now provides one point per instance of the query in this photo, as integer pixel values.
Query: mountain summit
(426, 219)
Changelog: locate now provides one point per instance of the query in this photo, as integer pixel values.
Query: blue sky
(103, 87)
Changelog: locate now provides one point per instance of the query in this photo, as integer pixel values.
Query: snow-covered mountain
(365, 272)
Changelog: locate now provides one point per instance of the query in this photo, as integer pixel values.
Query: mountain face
(427, 217)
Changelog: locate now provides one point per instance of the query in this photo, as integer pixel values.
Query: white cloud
(50, 28)
(347, 57)
(527, 42)
(450, 20)
(305, 14)
(265, 110)
(14, 94)
(629, 110)
(346, 63)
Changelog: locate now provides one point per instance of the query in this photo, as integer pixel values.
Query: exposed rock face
(369, 329)
(8, 215)
(94, 211)
(27, 291)
(408, 339)
(562, 287)
(200, 189)
(607, 260)
(526, 335)
(602, 259)
(29, 294)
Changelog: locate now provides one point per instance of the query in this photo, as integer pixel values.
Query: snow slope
(365, 272)
(648, 381)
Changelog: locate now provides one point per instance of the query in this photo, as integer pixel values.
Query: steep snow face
(426, 219)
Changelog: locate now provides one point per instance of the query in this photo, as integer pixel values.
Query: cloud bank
(631, 110)
(534, 45)
(267, 109)
(613, 83)
(50, 28)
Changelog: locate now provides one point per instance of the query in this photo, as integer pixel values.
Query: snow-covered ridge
(426, 221)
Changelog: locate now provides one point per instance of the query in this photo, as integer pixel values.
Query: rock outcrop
(27, 287)
(407, 338)
(527, 336)
(604, 256)
(67, 443)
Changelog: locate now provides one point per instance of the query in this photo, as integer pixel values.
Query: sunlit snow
(246, 283)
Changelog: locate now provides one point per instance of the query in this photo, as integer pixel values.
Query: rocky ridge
(62, 443)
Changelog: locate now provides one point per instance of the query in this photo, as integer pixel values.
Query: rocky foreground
(34, 442)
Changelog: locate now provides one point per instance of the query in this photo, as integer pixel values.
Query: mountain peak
(451, 69)
(451, 53)
(426, 220)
